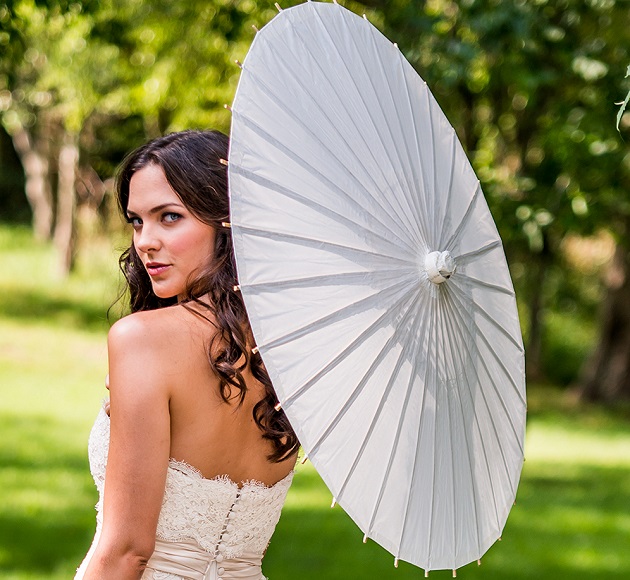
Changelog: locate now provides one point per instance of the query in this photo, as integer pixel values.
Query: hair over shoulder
(192, 162)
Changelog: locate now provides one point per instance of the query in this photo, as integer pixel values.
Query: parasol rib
(466, 258)
(394, 448)
(410, 189)
(369, 331)
(419, 432)
(497, 326)
(394, 225)
(456, 291)
(499, 398)
(407, 309)
(401, 216)
(449, 190)
(457, 328)
(417, 199)
(464, 220)
(404, 352)
(368, 111)
(349, 278)
(332, 247)
(454, 330)
(386, 293)
(433, 193)
(433, 479)
(450, 430)
(330, 213)
(488, 285)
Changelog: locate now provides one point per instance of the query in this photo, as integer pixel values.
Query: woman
(198, 459)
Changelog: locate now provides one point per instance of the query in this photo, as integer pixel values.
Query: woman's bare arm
(139, 377)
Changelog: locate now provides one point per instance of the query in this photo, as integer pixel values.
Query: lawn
(571, 519)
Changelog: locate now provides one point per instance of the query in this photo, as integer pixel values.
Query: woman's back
(215, 437)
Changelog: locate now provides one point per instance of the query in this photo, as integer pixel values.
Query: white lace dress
(208, 529)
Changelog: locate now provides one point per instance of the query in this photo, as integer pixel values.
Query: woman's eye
(171, 217)
(134, 221)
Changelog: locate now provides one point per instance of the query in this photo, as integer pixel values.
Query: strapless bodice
(223, 528)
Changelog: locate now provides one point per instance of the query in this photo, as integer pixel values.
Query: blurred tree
(34, 161)
(624, 104)
(530, 88)
(179, 60)
(606, 376)
(52, 84)
(14, 207)
(74, 71)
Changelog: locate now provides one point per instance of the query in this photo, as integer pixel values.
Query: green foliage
(116, 73)
(624, 104)
(568, 341)
(80, 301)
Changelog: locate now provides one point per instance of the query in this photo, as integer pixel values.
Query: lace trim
(218, 514)
(190, 470)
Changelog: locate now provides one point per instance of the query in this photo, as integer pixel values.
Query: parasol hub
(439, 266)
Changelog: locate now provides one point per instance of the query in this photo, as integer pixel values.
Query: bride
(191, 459)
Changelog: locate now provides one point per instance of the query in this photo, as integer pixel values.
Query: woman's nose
(147, 240)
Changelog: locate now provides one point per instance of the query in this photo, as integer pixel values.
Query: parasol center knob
(439, 266)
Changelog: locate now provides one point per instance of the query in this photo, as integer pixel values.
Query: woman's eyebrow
(157, 208)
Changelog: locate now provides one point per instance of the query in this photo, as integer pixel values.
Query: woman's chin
(164, 293)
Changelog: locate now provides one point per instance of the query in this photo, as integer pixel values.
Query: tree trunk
(533, 360)
(606, 375)
(37, 182)
(537, 276)
(65, 229)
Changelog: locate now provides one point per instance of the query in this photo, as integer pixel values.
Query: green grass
(571, 519)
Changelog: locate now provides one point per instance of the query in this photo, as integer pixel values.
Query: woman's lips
(155, 268)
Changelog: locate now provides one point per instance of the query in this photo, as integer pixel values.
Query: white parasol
(377, 287)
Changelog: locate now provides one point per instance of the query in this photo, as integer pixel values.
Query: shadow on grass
(562, 406)
(42, 545)
(47, 513)
(42, 307)
(37, 442)
(571, 520)
(568, 523)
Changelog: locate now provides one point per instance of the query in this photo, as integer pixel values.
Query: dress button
(230, 528)
(220, 571)
(219, 558)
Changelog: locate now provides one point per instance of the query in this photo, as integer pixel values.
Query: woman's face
(171, 242)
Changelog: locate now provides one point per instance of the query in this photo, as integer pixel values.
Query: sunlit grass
(571, 519)
(33, 291)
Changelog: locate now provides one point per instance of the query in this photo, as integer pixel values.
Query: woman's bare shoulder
(158, 330)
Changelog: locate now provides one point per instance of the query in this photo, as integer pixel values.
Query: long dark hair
(193, 163)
